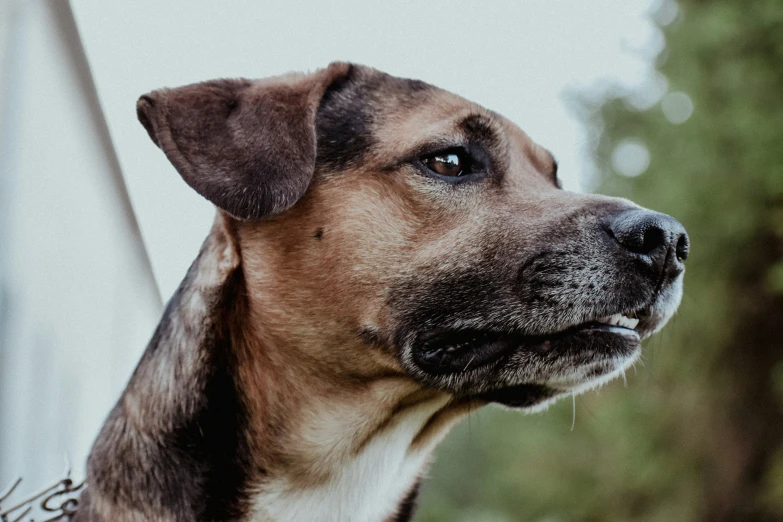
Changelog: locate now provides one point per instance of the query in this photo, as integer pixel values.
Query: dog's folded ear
(247, 146)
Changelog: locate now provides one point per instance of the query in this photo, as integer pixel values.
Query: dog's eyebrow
(476, 129)
(481, 130)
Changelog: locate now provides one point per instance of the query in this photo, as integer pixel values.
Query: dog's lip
(624, 320)
(523, 395)
(451, 351)
(601, 326)
(639, 321)
(457, 350)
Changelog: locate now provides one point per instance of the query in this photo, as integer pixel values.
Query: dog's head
(387, 225)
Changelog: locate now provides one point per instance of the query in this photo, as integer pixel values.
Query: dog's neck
(334, 443)
(225, 417)
(343, 437)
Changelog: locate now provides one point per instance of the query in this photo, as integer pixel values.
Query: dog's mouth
(522, 370)
(443, 351)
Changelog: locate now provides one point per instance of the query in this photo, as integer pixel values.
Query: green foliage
(698, 433)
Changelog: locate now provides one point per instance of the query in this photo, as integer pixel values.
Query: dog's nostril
(652, 238)
(683, 247)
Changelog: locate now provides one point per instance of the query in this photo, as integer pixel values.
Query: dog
(386, 257)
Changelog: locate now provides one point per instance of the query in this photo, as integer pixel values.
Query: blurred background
(676, 105)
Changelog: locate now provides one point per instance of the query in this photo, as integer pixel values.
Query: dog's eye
(452, 164)
(455, 164)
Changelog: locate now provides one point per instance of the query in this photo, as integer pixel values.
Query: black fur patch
(480, 130)
(520, 396)
(197, 467)
(434, 299)
(408, 505)
(344, 121)
(216, 438)
(352, 106)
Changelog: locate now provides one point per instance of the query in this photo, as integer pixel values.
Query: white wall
(78, 298)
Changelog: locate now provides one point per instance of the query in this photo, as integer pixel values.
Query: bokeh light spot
(677, 107)
(630, 157)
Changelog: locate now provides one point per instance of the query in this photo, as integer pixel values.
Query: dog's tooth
(625, 321)
(619, 320)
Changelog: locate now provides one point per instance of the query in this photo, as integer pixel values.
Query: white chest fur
(365, 487)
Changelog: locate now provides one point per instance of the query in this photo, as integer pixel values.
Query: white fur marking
(365, 487)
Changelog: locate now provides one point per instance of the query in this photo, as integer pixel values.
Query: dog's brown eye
(446, 164)
(455, 164)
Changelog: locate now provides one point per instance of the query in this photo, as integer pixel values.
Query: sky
(525, 59)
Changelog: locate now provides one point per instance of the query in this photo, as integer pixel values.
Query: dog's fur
(291, 376)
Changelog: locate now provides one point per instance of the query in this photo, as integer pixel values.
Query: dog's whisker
(470, 361)
(573, 410)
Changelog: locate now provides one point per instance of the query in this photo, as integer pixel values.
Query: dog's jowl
(386, 256)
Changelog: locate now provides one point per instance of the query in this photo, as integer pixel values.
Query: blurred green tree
(698, 434)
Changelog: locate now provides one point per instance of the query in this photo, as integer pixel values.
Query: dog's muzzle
(563, 347)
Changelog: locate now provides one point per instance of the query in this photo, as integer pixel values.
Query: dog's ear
(247, 146)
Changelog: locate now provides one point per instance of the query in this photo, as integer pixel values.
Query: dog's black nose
(657, 238)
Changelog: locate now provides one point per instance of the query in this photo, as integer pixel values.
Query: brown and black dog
(386, 256)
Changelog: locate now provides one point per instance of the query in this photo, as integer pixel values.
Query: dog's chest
(367, 487)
